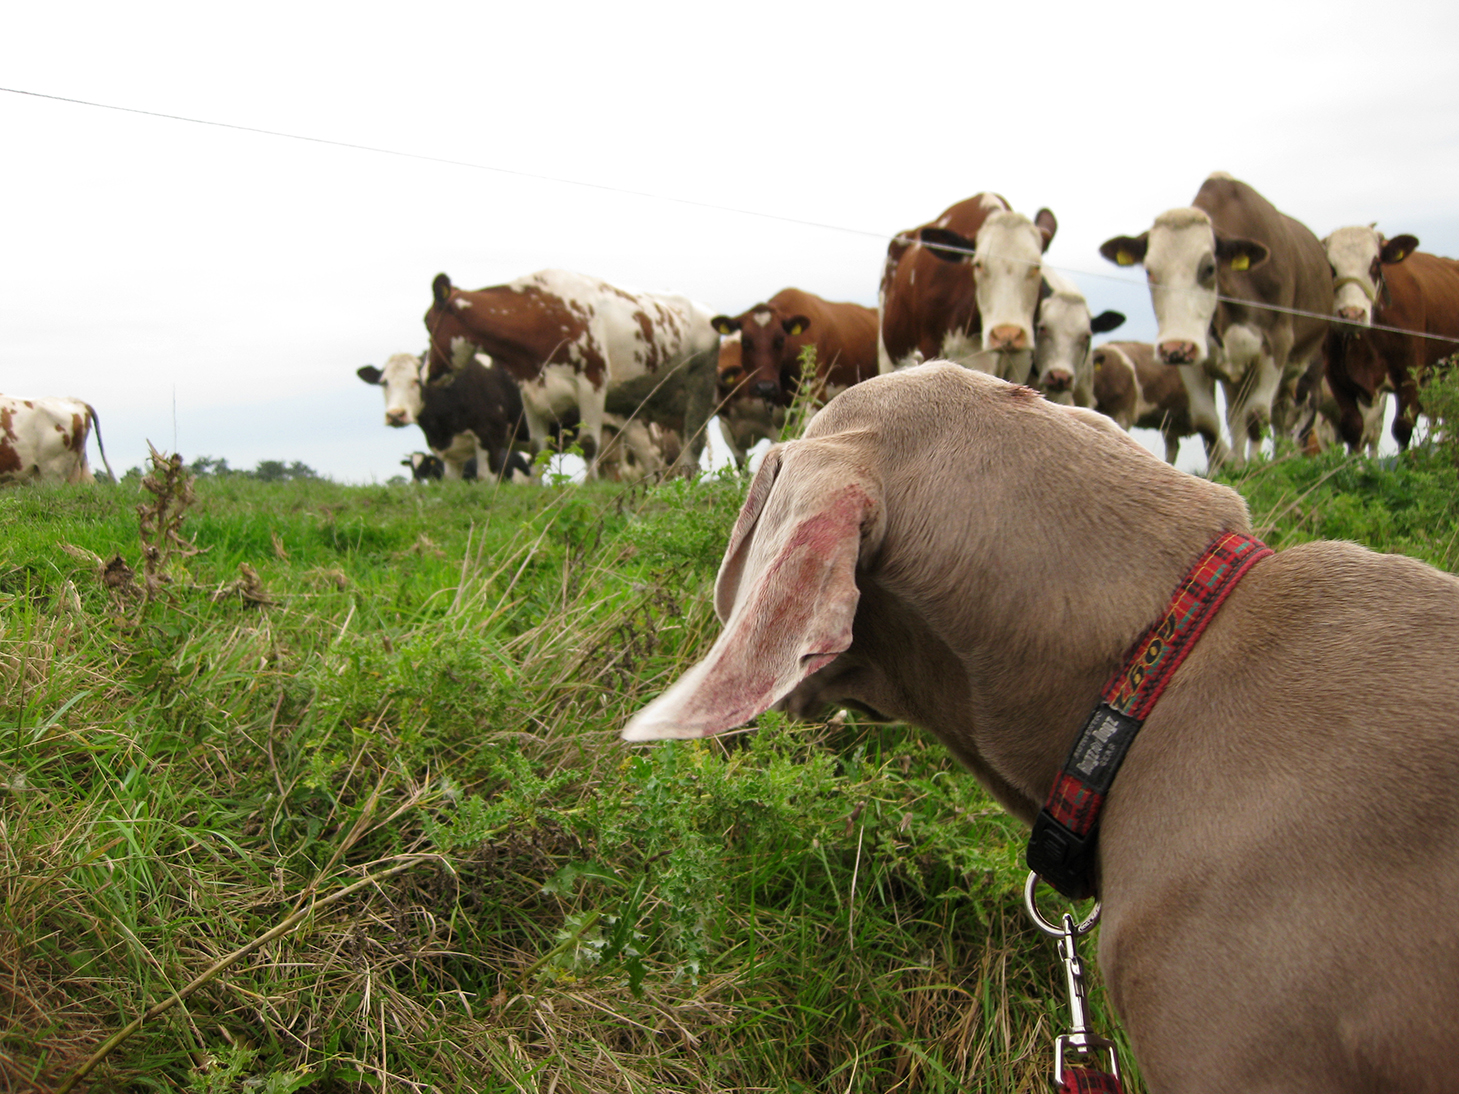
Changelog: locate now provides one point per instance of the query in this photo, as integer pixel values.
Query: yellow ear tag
(1124, 258)
(795, 329)
(1241, 262)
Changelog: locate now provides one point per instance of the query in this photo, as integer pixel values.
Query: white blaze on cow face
(1008, 254)
(401, 378)
(1180, 263)
(1355, 257)
(1063, 368)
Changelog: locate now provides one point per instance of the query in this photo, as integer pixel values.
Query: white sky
(242, 278)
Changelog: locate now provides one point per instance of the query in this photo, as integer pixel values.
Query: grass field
(384, 720)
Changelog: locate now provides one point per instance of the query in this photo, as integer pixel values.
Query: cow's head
(1065, 331)
(451, 346)
(731, 368)
(1185, 261)
(1357, 257)
(403, 379)
(770, 345)
(1006, 257)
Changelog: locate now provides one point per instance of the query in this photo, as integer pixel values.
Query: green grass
(431, 681)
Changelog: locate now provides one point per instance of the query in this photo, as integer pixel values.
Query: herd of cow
(1296, 330)
(1305, 336)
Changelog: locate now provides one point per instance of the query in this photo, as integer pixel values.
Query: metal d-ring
(1081, 929)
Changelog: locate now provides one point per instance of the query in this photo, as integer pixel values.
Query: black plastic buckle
(1061, 858)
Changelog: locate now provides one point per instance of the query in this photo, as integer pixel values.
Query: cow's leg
(1200, 392)
(699, 398)
(1252, 378)
(1172, 445)
(590, 432)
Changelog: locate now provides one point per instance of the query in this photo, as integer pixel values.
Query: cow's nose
(1177, 353)
(1007, 337)
(1351, 313)
(1058, 380)
(395, 417)
(766, 390)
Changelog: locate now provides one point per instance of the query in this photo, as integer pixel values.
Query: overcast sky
(215, 289)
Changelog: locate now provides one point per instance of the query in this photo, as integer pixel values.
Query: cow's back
(44, 439)
(924, 298)
(1295, 275)
(844, 335)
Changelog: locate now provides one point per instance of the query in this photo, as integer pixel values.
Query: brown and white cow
(472, 413)
(1063, 368)
(44, 440)
(1218, 272)
(773, 335)
(1388, 283)
(743, 422)
(965, 288)
(1138, 392)
(569, 340)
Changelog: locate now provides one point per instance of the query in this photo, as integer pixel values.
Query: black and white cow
(473, 413)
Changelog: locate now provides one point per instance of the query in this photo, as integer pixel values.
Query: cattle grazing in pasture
(773, 335)
(1278, 857)
(1219, 272)
(743, 422)
(1063, 368)
(474, 413)
(570, 340)
(1386, 283)
(44, 440)
(1138, 392)
(965, 287)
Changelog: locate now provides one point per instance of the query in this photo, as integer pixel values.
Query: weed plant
(370, 732)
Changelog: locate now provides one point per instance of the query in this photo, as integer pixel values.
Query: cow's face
(1007, 257)
(770, 345)
(1357, 257)
(1065, 331)
(450, 343)
(1183, 258)
(402, 380)
(731, 368)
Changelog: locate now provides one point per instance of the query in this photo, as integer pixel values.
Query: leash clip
(1081, 1040)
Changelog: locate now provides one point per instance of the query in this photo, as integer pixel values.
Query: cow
(1063, 368)
(964, 287)
(774, 334)
(1277, 859)
(473, 413)
(570, 340)
(44, 440)
(425, 467)
(1386, 283)
(1226, 276)
(743, 422)
(1139, 392)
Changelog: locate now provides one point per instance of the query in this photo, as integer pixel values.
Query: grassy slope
(433, 679)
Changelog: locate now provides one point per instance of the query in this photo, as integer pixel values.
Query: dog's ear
(786, 592)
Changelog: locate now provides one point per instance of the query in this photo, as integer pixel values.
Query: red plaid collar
(1062, 845)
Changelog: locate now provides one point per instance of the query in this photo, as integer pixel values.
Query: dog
(1278, 858)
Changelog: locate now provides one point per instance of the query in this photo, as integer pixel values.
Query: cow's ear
(796, 324)
(946, 244)
(1045, 221)
(441, 289)
(1241, 254)
(786, 590)
(1106, 321)
(1398, 248)
(724, 324)
(1126, 250)
(370, 374)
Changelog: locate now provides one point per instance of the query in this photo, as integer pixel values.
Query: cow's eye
(1207, 270)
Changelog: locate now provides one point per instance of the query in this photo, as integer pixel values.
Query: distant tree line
(214, 467)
